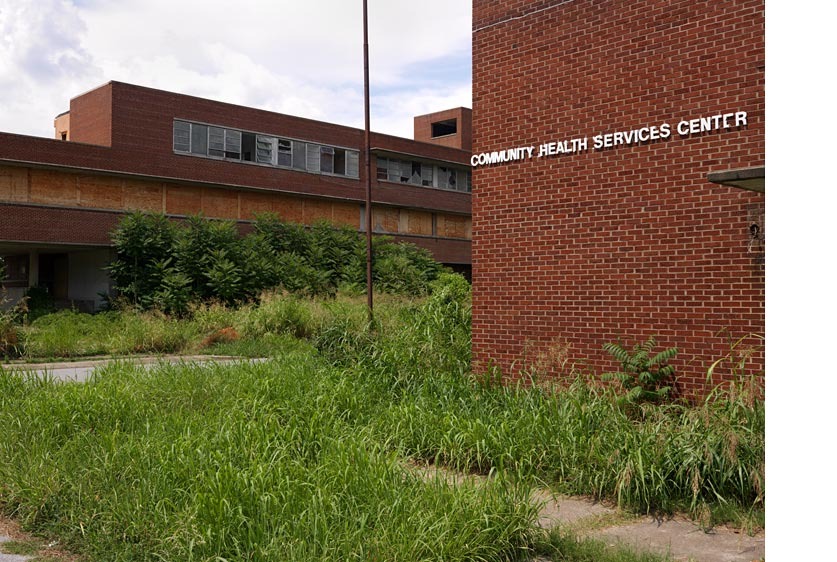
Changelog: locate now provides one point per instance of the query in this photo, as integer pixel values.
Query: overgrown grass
(249, 330)
(74, 334)
(561, 545)
(301, 457)
(248, 462)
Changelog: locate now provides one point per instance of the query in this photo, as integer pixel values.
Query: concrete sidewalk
(80, 371)
(678, 537)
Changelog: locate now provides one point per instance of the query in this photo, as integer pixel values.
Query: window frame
(297, 149)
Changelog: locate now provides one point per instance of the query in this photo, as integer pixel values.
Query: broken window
(248, 147)
(232, 144)
(340, 161)
(447, 178)
(284, 156)
(326, 160)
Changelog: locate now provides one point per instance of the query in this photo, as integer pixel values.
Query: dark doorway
(53, 274)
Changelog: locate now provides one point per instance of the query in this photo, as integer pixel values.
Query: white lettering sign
(603, 141)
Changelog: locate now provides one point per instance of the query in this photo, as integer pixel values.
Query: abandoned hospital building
(616, 154)
(122, 147)
(636, 205)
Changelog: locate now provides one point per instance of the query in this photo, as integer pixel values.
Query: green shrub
(142, 241)
(646, 377)
(164, 265)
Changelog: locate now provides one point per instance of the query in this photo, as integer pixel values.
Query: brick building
(122, 147)
(611, 142)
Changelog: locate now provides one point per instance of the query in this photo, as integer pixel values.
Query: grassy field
(304, 457)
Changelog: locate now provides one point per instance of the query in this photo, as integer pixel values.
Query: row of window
(422, 173)
(242, 146)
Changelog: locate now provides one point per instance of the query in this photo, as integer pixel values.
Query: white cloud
(302, 58)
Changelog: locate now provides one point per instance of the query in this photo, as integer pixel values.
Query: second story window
(424, 174)
(242, 146)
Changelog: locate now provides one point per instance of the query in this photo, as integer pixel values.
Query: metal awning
(751, 179)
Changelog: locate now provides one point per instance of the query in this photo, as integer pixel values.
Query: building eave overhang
(751, 179)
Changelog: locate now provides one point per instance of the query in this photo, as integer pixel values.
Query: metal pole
(366, 148)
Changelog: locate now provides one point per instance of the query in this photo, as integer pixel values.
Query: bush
(643, 375)
(142, 242)
(160, 264)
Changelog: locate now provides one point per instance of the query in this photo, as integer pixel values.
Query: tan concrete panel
(385, 219)
(138, 195)
(289, 208)
(220, 203)
(53, 188)
(253, 204)
(317, 210)
(14, 184)
(181, 200)
(101, 192)
(346, 214)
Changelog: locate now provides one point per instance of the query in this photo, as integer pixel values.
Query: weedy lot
(303, 457)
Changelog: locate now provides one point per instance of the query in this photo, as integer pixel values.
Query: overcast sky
(303, 58)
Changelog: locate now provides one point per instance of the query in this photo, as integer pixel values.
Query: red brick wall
(91, 115)
(577, 250)
(463, 138)
(142, 138)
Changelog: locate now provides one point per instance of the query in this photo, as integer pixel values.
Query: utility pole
(366, 149)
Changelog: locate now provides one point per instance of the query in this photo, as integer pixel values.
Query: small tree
(644, 376)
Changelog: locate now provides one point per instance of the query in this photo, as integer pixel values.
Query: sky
(302, 58)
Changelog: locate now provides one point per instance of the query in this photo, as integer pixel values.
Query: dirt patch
(10, 531)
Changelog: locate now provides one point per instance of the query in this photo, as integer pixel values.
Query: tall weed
(247, 462)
